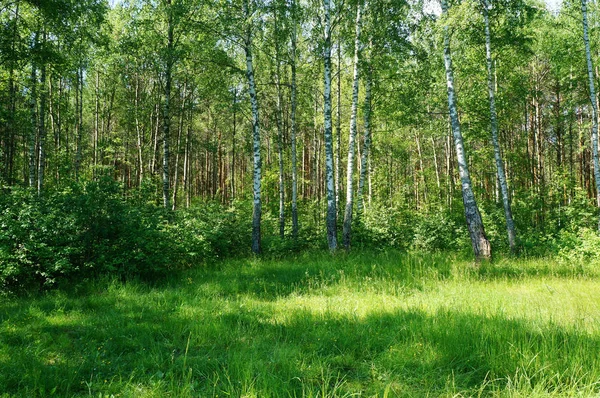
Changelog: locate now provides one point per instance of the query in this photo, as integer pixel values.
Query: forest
(299, 198)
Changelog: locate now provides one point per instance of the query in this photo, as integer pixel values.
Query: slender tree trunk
(138, 132)
(421, 168)
(34, 121)
(167, 106)
(79, 125)
(437, 170)
(481, 245)
(257, 205)
(510, 225)
(10, 146)
(233, 144)
(331, 209)
(155, 137)
(97, 119)
(590, 69)
(279, 120)
(338, 152)
(178, 149)
(186, 160)
(293, 128)
(352, 136)
(42, 130)
(365, 161)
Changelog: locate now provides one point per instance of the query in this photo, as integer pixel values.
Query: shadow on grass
(146, 343)
(518, 269)
(274, 279)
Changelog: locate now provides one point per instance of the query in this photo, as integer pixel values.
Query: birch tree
(590, 71)
(479, 241)
(168, 75)
(352, 135)
(257, 164)
(510, 225)
(367, 139)
(279, 118)
(294, 105)
(329, 175)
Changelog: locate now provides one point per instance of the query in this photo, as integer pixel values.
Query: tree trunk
(437, 170)
(178, 149)
(594, 103)
(257, 206)
(293, 128)
(331, 209)
(97, 119)
(138, 132)
(233, 144)
(422, 168)
(481, 245)
(279, 121)
(10, 146)
(365, 161)
(42, 130)
(510, 225)
(186, 160)
(167, 106)
(338, 152)
(352, 136)
(34, 121)
(79, 122)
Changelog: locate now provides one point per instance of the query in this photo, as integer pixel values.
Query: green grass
(365, 324)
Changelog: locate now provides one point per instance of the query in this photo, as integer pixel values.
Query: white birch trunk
(178, 149)
(365, 161)
(167, 108)
(481, 245)
(42, 130)
(352, 136)
(257, 205)
(279, 120)
(510, 225)
(34, 123)
(590, 70)
(293, 128)
(331, 209)
(338, 129)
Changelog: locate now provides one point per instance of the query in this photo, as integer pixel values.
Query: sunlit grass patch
(385, 324)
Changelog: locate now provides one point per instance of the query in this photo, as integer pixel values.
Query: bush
(80, 232)
(578, 247)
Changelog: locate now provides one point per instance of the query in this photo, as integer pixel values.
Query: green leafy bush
(80, 232)
(578, 247)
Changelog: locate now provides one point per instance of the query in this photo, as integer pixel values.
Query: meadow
(370, 324)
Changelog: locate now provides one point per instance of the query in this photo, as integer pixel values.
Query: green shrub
(83, 231)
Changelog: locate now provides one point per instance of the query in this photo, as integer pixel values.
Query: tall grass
(366, 324)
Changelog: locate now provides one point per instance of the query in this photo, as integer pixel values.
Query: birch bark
(481, 245)
(279, 120)
(167, 106)
(510, 225)
(257, 205)
(365, 161)
(352, 136)
(331, 209)
(42, 129)
(34, 119)
(293, 128)
(590, 70)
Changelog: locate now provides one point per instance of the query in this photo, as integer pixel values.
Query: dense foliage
(109, 110)
(91, 229)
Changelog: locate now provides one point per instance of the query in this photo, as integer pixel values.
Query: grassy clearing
(386, 324)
